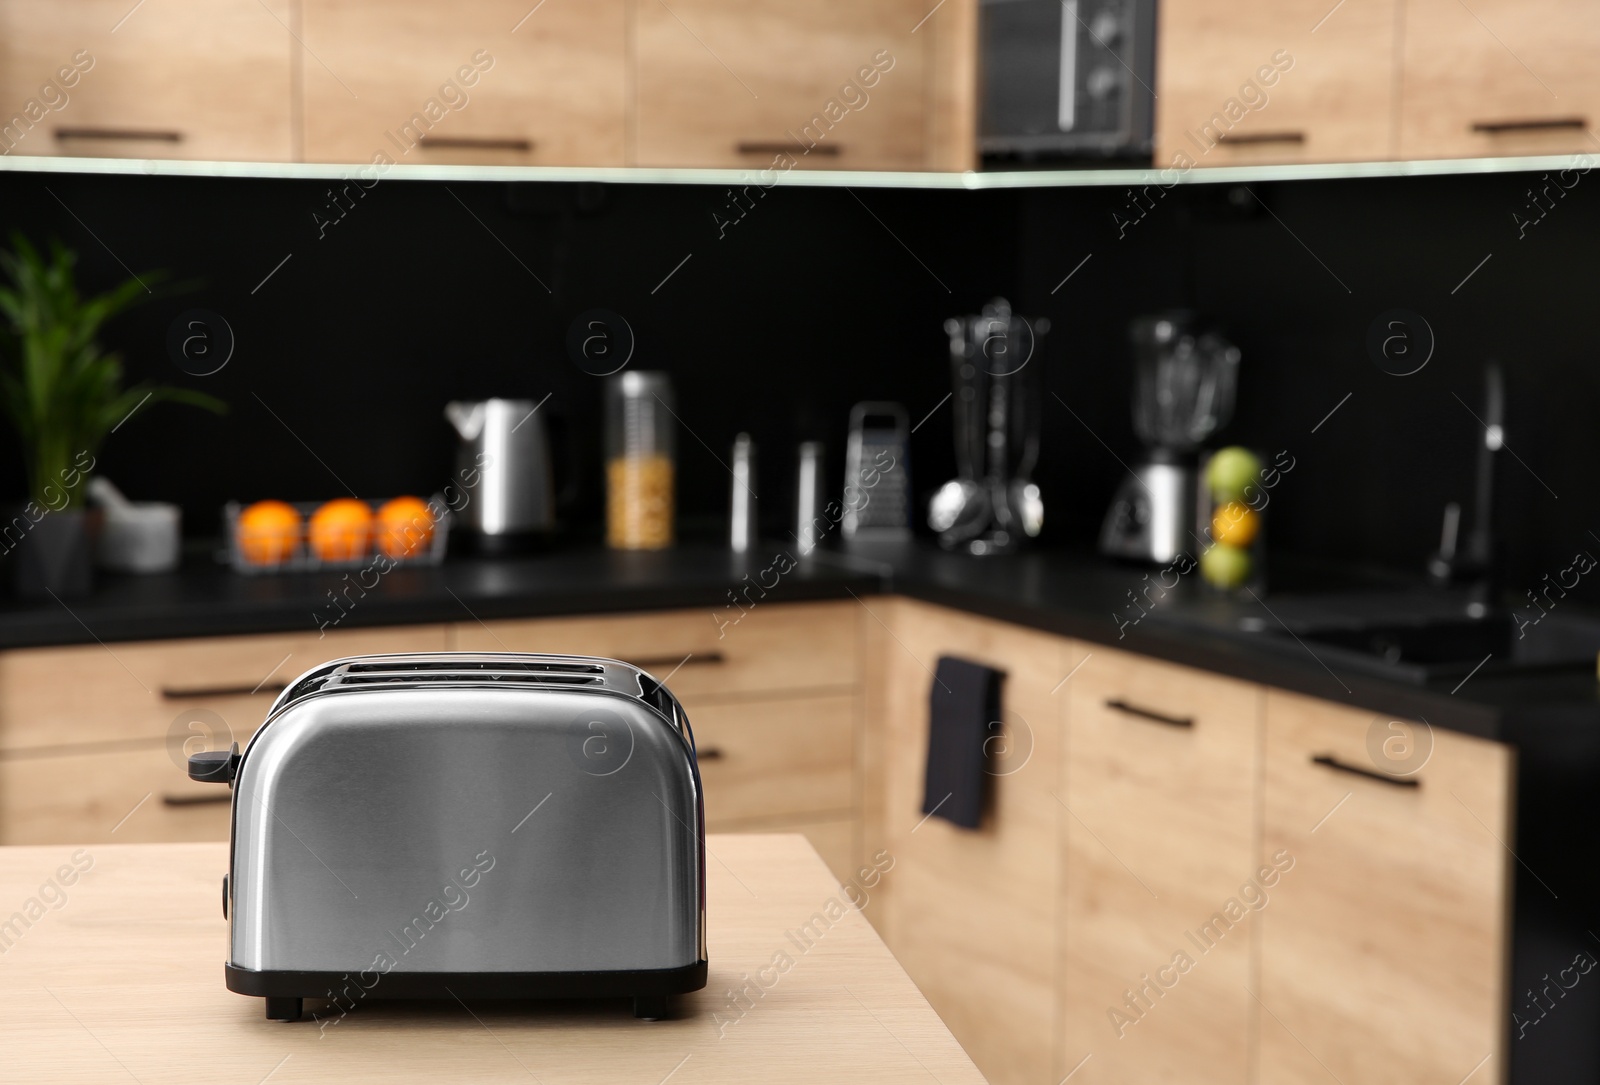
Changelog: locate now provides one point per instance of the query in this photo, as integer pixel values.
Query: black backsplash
(424, 292)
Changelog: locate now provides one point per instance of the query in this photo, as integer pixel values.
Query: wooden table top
(120, 979)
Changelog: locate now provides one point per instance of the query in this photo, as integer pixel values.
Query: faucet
(1449, 564)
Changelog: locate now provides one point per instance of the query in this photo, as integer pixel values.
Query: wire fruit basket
(290, 548)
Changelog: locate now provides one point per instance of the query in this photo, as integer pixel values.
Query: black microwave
(1067, 78)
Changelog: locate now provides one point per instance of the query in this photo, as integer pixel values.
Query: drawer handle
(710, 753)
(146, 135)
(1146, 714)
(1332, 762)
(187, 694)
(1535, 125)
(775, 146)
(1262, 137)
(703, 658)
(479, 143)
(196, 800)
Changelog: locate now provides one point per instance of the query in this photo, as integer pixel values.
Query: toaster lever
(214, 766)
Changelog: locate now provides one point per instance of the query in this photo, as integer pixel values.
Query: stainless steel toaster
(458, 825)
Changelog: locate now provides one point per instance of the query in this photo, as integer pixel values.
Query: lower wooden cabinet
(778, 758)
(973, 914)
(107, 796)
(1162, 894)
(1384, 951)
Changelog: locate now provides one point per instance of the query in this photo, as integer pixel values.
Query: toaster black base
(649, 988)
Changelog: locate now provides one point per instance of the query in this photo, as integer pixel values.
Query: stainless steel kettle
(505, 445)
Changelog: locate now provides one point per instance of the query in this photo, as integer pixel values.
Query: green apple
(1225, 566)
(1230, 471)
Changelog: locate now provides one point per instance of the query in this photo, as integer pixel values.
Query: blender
(1185, 376)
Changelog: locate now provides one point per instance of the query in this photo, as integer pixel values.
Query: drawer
(1384, 948)
(793, 646)
(139, 690)
(115, 796)
(775, 758)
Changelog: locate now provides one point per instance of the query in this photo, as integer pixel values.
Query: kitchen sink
(1437, 648)
(1415, 636)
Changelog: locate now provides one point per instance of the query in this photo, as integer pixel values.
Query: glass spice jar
(640, 461)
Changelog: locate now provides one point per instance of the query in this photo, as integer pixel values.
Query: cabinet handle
(1147, 714)
(776, 146)
(700, 658)
(1491, 128)
(154, 135)
(1332, 762)
(1262, 137)
(710, 753)
(478, 143)
(197, 800)
(199, 692)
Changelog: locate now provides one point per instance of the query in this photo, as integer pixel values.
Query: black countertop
(1075, 595)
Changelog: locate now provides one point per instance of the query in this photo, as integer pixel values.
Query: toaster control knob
(214, 766)
(224, 896)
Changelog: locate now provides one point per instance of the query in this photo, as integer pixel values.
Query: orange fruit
(1235, 524)
(269, 531)
(405, 527)
(341, 530)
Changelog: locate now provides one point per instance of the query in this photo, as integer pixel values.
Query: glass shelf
(972, 180)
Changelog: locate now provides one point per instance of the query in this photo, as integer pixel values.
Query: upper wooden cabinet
(1162, 888)
(203, 79)
(821, 84)
(488, 82)
(1505, 77)
(1290, 81)
(1384, 949)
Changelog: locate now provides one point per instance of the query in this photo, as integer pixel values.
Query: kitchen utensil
(877, 474)
(505, 445)
(640, 465)
(1185, 376)
(743, 526)
(456, 825)
(135, 537)
(992, 504)
(809, 523)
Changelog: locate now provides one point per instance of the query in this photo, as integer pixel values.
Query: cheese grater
(877, 474)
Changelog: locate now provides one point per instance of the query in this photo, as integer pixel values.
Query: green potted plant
(64, 395)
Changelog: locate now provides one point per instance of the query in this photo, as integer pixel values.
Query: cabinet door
(972, 914)
(776, 758)
(488, 82)
(170, 690)
(204, 79)
(1505, 77)
(1283, 82)
(1384, 950)
(107, 795)
(1162, 895)
(703, 656)
(833, 84)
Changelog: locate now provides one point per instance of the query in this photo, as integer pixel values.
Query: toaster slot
(437, 666)
(436, 678)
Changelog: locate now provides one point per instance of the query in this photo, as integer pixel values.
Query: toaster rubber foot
(650, 1007)
(283, 1009)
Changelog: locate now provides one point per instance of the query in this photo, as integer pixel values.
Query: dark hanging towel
(963, 701)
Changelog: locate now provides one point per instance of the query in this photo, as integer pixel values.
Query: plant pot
(50, 556)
